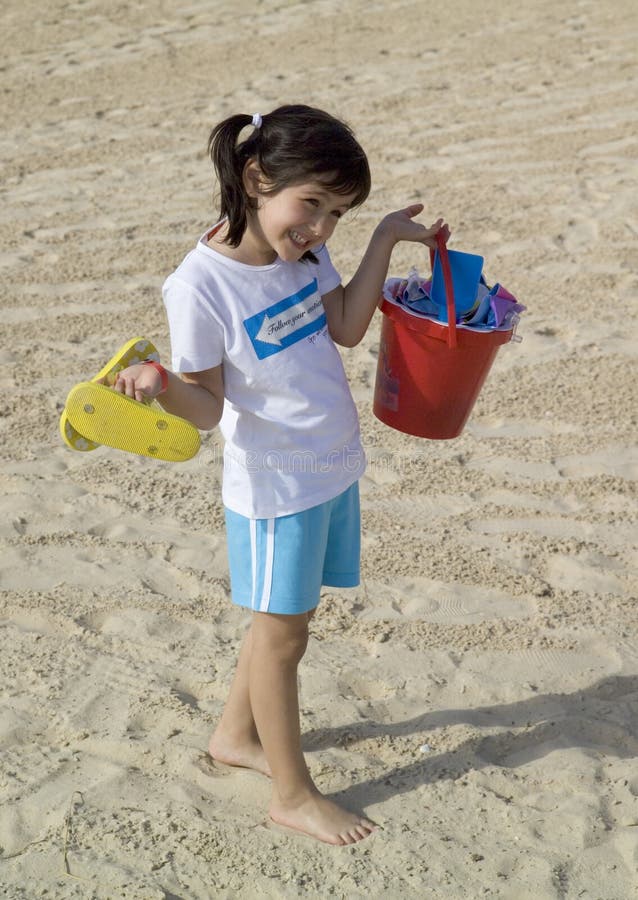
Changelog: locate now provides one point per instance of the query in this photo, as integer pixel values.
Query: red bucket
(429, 374)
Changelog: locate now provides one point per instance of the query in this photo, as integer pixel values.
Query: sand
(478, 694)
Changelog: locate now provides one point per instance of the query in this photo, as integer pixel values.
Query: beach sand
(477, 696)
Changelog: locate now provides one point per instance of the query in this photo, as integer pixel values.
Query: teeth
(297, 238)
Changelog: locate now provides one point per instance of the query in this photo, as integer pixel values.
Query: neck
(251, 251)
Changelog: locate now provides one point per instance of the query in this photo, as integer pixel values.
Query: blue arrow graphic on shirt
(287, 321)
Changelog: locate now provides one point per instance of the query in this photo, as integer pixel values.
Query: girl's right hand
(138, 382)
(400, 226)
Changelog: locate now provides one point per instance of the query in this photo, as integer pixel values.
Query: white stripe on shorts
(264, 601)
(270, 552)
(253, 560)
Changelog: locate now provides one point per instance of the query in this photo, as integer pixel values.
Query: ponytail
(229, 159)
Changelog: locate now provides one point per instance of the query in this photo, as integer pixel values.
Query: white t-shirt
(290, 425)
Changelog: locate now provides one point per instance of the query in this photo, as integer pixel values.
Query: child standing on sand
(255, 311)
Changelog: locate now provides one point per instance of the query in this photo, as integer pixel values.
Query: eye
(312, 201)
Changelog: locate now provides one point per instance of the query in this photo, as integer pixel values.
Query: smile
(298, 239)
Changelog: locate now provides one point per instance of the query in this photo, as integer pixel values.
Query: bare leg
(278, 644)
(235, 741)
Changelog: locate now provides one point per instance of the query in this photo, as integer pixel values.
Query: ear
(253, 178)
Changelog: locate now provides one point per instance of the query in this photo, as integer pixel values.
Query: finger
(430, 240)
(443, 233)
(128, 387)
(438, 231)
(414, 209)
(431, 233)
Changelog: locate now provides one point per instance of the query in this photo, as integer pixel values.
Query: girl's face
(294, 220)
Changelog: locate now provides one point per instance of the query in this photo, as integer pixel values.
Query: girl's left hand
(400, 226)
(138, 382)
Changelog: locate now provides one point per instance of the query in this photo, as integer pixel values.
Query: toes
(362, 832)
(338, 840)
(357, 833)
(347, 838)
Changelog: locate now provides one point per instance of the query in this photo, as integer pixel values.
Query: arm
(196, 396)
(349, 309)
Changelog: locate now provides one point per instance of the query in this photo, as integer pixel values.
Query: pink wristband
(163, 373)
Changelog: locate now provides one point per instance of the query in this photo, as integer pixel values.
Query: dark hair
(295, 143)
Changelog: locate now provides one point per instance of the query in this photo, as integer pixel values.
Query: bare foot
(322, 819)
(246, 755)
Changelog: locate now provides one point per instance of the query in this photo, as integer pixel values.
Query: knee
(293, 648)
(282, 637)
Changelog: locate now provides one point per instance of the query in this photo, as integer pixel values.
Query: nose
(323, 225)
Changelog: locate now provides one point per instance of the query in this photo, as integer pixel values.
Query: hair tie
(257, 121)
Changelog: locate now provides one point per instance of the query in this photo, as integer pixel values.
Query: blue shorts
(279, 565)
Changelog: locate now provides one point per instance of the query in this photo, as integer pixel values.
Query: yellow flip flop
(134, 351)
(105, 416)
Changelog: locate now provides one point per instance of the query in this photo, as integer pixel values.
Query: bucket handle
(449, 287)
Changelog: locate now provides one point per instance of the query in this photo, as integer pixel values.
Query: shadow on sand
(601, 719)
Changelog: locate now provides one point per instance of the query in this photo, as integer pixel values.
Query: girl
(255, 311)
